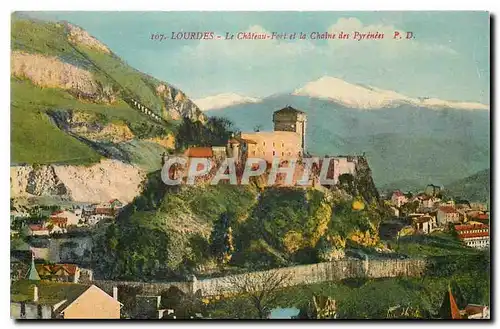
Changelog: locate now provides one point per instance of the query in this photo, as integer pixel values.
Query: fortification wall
(301, 274)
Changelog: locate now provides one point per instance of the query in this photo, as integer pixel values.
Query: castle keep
(286, 141)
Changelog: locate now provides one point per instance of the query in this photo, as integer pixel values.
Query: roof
(288, 109)
(471, 227)
(448, 209)
(473, 235)
(62, 306)
(55, 213)
(199, 152)
(37, 227)
(422, 219)
(58, 220)
(482, 216)
(56, 269)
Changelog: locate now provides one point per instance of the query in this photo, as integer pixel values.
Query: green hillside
(472, 188)
(34, 136)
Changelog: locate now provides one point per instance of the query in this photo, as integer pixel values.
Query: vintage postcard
(250, 165)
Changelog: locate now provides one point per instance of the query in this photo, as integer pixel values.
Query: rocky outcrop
(177, 104)
(91, 126)
(79, 36)
(101, 182)
(51, 72)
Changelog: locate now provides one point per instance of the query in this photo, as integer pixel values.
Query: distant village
(426, 212)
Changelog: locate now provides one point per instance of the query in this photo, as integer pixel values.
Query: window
(264, 143)
(282, 153)
(282, 144)
(274, 152)
(273, 144)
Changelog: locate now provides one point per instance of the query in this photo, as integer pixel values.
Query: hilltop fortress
(287, 141)
(279, 156)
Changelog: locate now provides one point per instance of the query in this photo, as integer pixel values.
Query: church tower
(290, 119)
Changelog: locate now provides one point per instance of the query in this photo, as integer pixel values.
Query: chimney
(35, 294)
(115, 293)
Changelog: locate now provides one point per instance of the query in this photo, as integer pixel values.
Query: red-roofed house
(37, 230)
(62, 222)
(475, 236)
(483, 218)
(447, 214)
(59, 272)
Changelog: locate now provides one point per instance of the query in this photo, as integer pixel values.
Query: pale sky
(448, 59)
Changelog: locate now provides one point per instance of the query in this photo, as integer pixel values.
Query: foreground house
(50, 300)
(424, 224)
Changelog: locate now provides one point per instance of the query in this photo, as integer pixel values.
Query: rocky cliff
(177, 105)
(100, 182)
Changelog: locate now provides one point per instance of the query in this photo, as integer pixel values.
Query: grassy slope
(34, 138)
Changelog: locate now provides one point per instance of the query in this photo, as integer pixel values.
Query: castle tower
(290, 119)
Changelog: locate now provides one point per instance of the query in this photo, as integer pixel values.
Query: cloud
(259, 52)
(263, 67)
(388, 46)
(245, 51)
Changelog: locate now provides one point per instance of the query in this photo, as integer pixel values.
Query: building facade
(475, 236)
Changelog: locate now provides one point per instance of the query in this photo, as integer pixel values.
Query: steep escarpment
(177, 105)
(97, 183)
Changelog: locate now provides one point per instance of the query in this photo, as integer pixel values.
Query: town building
(424, 224)
(70, 218)
(447, 214)
(475, 235)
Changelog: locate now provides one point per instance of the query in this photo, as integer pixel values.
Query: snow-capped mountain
(223, 100)
(367, 97)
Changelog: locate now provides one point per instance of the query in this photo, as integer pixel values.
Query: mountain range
(409, 142)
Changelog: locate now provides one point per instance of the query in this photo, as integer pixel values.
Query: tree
(127, 295)
(260, 288)
(185, 305)
(410, 207)
(221, 239)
